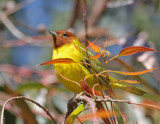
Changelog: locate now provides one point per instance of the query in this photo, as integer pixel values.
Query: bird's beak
(53, 33)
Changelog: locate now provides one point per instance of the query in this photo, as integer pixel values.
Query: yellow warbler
(67, 45)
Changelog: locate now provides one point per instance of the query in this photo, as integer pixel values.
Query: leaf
(89, 90)
(130, 81)
(28, 86)
(118, 114)
(101, 114)
(70, 119)
(94, 47)
(100, 107)
(77, 48)
(132, 73)
(58, 61)
(134, 49)
(96, 56)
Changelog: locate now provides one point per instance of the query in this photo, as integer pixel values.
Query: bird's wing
(97, 68)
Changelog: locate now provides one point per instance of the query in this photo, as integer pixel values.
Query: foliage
(118, 27)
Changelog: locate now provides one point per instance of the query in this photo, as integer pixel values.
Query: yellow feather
(73, 71)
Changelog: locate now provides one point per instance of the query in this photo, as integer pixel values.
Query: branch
(19, 6)
(129, 102)
(22, 97)
(98, 8)
(10, 26)
(91, 103)
(75, 13)
(85, 21)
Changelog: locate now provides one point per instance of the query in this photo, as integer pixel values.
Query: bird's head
(61, 38)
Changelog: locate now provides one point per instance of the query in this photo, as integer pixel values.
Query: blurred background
(25, 43)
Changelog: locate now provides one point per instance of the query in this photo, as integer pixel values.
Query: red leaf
(89, 90)
(132, 73)
(96, 56)
(94, 47)
(57, 61)
(134, 49)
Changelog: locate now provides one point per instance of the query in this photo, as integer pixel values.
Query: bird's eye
(65, 35)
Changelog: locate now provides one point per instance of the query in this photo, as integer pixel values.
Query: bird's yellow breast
(74, 71)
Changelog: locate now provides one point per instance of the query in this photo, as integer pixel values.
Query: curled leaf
(134, 49)
(132, 73)
(94, 47)
(96, 56)
(58, 61)
(89, 90)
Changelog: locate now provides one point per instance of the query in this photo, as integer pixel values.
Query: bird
(67, 45)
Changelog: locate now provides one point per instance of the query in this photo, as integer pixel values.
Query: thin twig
(22, 97)
(97, 10)
(19, 6)
(10, 26)
(110, 91)
(85, 21)
(75, 13)
(137, 77)
(34, 40)
(129, 102)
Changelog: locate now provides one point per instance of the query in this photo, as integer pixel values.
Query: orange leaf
(96, 56)
(101, 114)
(132, 73)
(130, 81)
(94, 47)
(134, 49)
(57, 61)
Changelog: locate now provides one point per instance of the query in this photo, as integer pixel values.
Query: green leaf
(118, 114)
(28, 86)
(70, 119)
